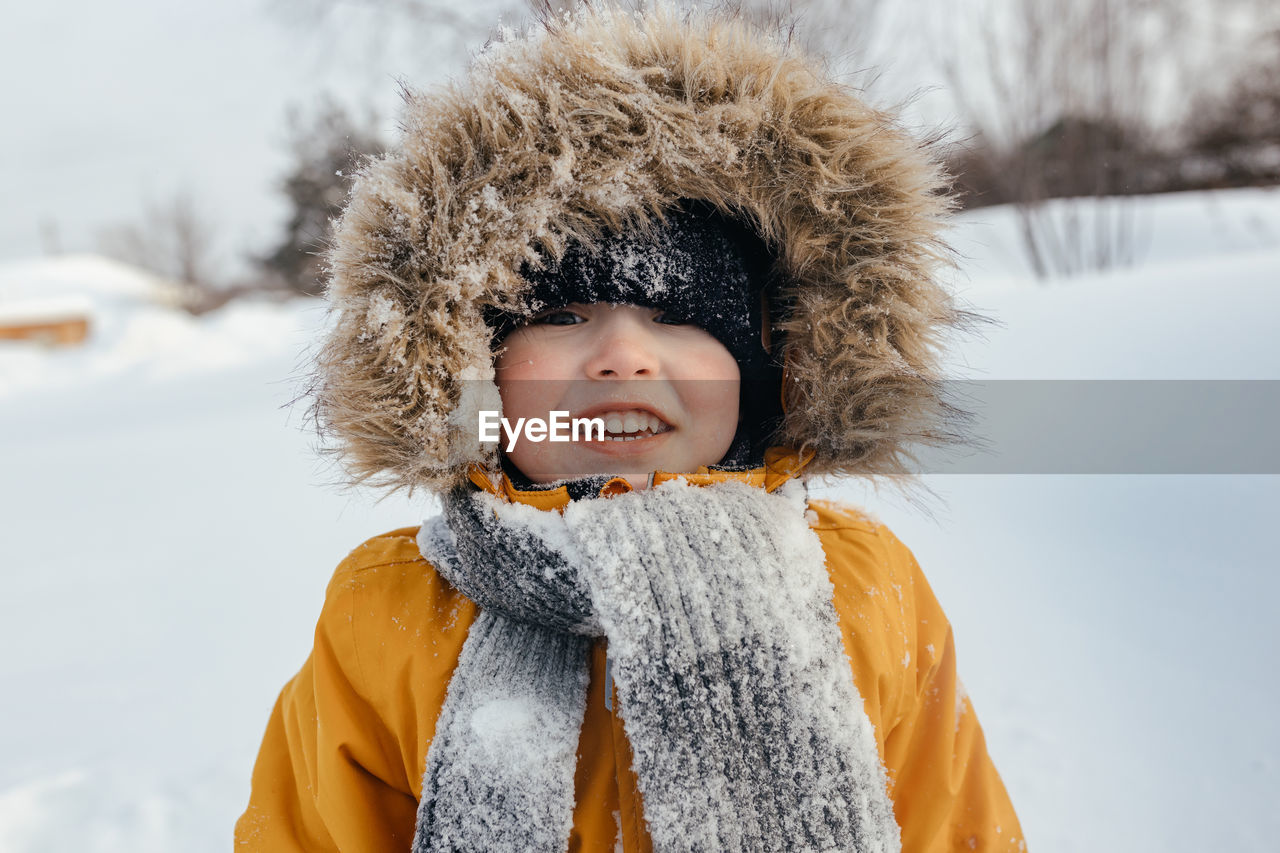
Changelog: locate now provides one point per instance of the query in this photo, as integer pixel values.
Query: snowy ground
(169, 534)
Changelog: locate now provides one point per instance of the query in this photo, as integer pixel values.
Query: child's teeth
(622, 426)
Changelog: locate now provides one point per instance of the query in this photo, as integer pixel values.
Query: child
(649, 640)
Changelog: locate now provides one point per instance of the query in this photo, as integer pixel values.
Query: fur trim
(601, 121)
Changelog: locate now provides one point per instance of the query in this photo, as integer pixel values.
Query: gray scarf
(747, 731)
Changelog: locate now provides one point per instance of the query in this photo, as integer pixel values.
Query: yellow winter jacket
(341, 764)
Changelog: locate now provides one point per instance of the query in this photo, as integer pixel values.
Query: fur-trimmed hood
(603, 121)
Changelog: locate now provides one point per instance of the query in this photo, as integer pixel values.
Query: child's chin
(635, 470)
(632, 460)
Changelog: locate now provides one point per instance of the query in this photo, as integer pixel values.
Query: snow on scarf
(746, 728)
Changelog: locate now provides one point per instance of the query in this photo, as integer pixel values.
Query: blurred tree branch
(326, 149)
(174, 239)
(1059, 100)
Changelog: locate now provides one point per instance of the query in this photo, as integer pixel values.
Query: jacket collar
(780, 465)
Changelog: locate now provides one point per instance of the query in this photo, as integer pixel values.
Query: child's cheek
(713, 361)
(533, 362)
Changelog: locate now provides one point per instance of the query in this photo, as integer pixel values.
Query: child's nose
(624, 350)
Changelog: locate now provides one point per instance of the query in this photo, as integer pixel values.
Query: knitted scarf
(747, 731)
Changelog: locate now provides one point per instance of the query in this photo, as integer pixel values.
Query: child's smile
(625, 421)
(666, 390)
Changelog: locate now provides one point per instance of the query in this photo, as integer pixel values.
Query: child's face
(667, 391)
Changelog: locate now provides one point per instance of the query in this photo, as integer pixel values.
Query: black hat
(698, 265)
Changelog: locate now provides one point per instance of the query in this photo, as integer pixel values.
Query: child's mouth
(632, 425)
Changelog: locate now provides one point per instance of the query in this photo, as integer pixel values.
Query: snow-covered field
(169, 533)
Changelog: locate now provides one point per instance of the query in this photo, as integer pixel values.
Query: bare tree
(173, 239)
(1232, 126)
(1059, 98)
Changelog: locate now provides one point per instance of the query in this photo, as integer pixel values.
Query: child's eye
(671, 318)
(559, 317)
